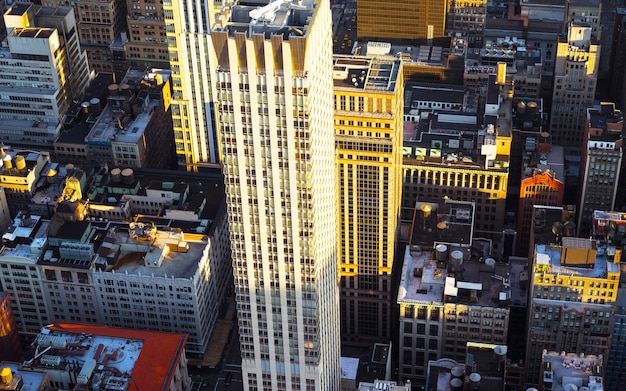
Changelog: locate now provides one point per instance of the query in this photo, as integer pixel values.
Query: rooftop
(528, 115)
(447, 94)
(551, 257)
(454, 139)
(365, 73)
(520, 57)
(439, 375)
(141, 360)
(32, 32)
(382, 385)
(539, 161)
(424, 54)
(484, 366)
(53, 11)
(519, 281)
(349, 368)
(31, 380)
(605, 123)
(449, 221)
(129, 108)
(20, 163)
(19, 8)
(561, 370)
(25, 238)
(427, 280)
(138, 249)
(200, 193)
(288, 18)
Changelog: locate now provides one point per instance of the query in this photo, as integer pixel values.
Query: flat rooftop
(452, 139)
(18, 9)
(442, 222)
(53, 11)
(447, 94)
(117, 126)
(25, 238)
(561, 370)
(32, 380)
(132, 258)
(551, 255)
(204, 191)
(382, 385)
(426, 280)
(140, 360)
(519, 281)
(424, 54)
(440, 374)
(365, 73)
(349, 367)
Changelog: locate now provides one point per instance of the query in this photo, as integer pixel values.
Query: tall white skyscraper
(188, 25)
(274, 104)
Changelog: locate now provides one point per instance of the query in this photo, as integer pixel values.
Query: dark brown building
(10, 344)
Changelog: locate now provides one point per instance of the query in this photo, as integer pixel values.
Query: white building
(275, 113)
(137, 276)
(22, 245)
(37, 69)
(163, 284)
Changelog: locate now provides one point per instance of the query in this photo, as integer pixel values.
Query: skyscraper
(274, 109)
(368, 130)
(192, 98)
(575, 77)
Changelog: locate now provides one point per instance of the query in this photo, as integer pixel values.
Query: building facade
(63, 20)
(99, 24)
(20, 275)
(193, 96)
(368, 137)
(275, 110)
(10, 342)
(422, 19)
(147, 36)
(614, 377)
(468, 17)
(617, 86)
(601, 163)
(448, 296)
(575, 79)
(573, 288)
(464, 157)
(41, 72)
(542, 183)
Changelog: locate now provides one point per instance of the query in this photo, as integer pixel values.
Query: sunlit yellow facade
(191, 59)
(368, 99)
(402, 19)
